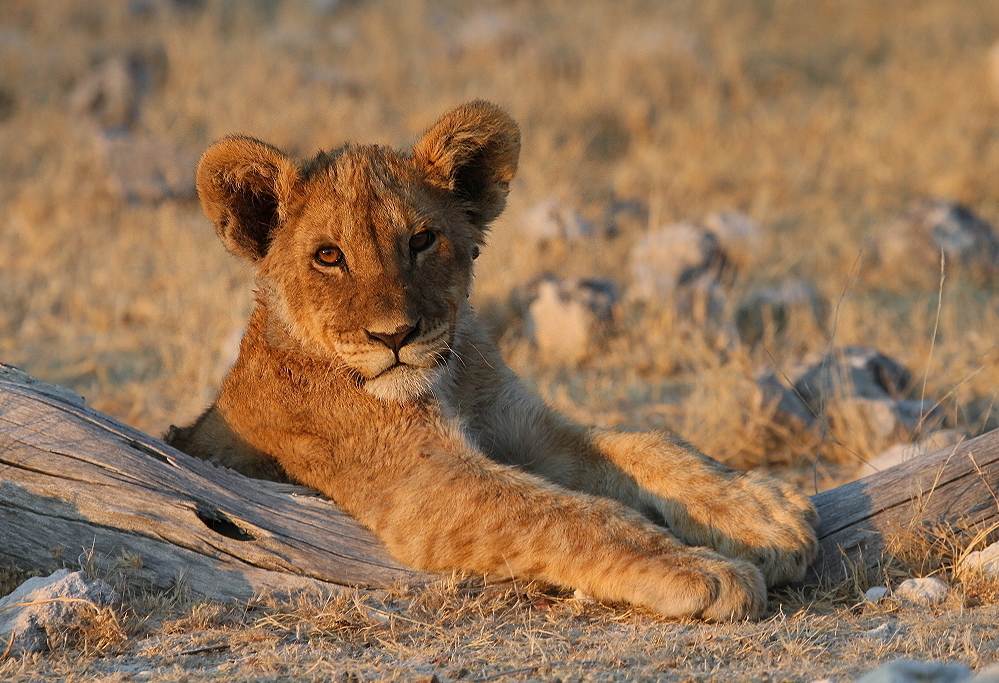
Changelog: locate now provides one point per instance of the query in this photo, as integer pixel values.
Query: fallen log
(78, 487)
(954, 488)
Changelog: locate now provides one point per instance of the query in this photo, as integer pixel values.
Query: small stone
(146, 168)
(903, 452)
(988, 675)
(854, 371)
(788, 406)
(907, 671)
(624, 216)
(875, 593)
(777, 309)
(553, 220)
(876, 417)
(62, 601)
(566, 319)
(907, 250)
(925, 591)
(982, 561)
(668, 258)
(920, 417)
(113, 92)
(882, 632)
(739, 237)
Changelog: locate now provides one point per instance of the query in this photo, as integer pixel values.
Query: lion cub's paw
(774, 528)
(701, 584)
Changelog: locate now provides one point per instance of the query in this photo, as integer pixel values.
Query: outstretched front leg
(746, 515)
(441, 505)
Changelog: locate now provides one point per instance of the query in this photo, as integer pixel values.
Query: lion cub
(365, 374)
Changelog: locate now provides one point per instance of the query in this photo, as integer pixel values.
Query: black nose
(396, 340)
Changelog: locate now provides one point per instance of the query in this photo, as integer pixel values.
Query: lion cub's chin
(404, 383)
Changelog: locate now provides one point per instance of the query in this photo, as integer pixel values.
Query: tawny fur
(369, 378)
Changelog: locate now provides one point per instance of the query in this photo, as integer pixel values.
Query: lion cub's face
(371, 269)
(364, 254)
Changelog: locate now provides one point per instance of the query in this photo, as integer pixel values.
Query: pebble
(50, 604)
(984, 561)
(876, 593)
(925, 591)
(907, 671)
(883, 632)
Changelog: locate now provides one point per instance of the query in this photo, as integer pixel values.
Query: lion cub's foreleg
(448, 507)
(746, 515)
(741, 515)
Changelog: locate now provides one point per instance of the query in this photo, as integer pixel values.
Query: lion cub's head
(365, 254)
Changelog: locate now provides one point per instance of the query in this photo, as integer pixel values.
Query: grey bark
(80, 488)
(954, 486)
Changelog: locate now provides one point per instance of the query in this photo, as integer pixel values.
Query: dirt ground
(819, 120)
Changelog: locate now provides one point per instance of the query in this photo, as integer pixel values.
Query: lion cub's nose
(397, 339)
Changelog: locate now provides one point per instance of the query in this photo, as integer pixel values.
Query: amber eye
(329, 256)
(422, 240)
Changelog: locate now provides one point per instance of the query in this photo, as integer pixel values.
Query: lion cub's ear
(245, 188)
(472, 151)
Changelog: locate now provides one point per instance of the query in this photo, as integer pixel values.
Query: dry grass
(816, 118)
(468, 631)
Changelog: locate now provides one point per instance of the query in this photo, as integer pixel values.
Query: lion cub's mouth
(441, 359)
(399, 375)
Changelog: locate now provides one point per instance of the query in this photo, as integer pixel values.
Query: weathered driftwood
(955, 486)
(76, 485)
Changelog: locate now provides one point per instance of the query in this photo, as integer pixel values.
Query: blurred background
(767, 224)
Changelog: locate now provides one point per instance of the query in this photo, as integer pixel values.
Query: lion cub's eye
(328, 256)
(422, 240)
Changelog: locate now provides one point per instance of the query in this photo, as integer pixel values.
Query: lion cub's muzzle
(399, 363)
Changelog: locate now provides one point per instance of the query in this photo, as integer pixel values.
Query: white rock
(111, 93)
(145, 168)
(902, 452)
(926, 591)
(739, 236)
(27, 626)
(875, 593)
(858, 371)
(788, 305)
(882, 632)
(906, 250)
(877, 417)
(988, 675)
(568, 317)
(907, 671)
(554, 220)
(982, 561)
(664, 259)
(625, 216)
(789, 409)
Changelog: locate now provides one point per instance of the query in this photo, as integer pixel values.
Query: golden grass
(470, 631)
(816, 118)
